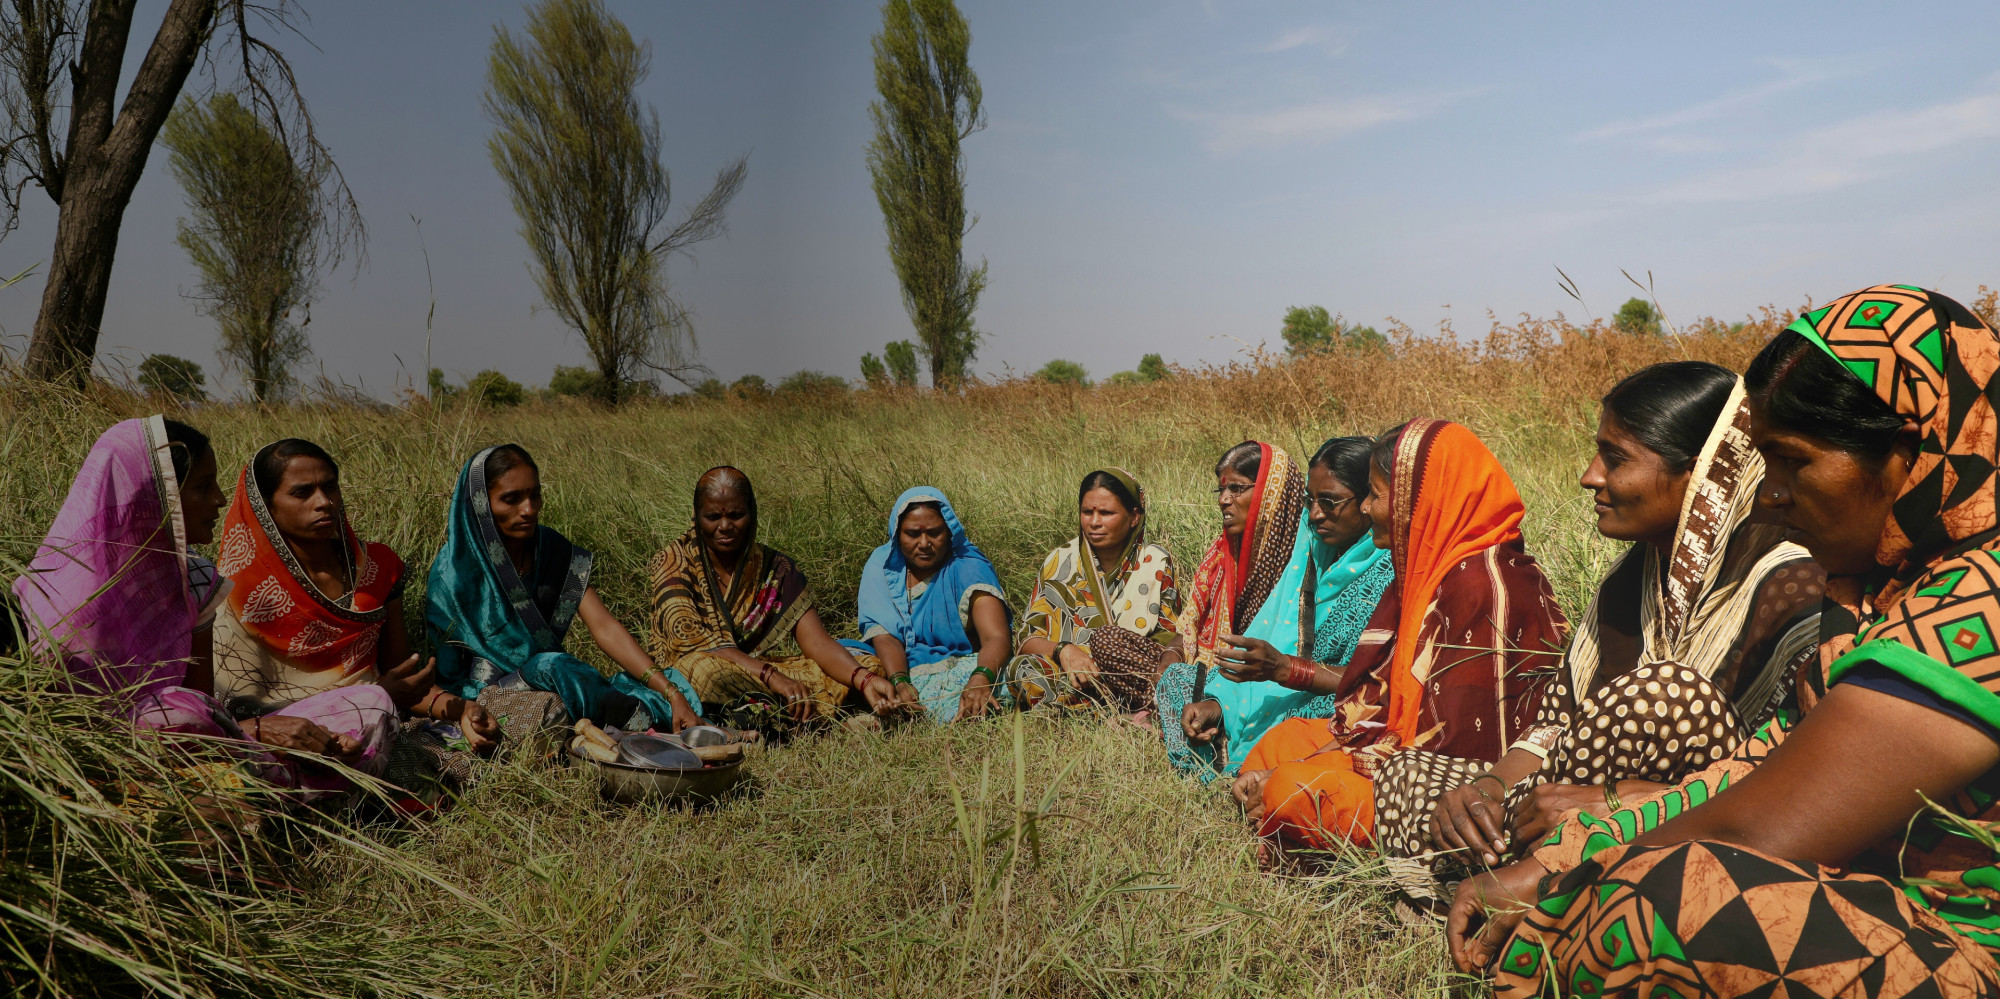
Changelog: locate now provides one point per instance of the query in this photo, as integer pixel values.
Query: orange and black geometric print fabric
(1931, 360)
(1706, 919)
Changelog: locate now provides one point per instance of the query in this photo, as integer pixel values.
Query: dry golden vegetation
(1025, 856)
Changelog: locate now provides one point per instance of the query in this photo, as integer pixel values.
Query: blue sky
(1163, 176)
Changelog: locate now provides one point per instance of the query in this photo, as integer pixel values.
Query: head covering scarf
(485, 620)
(1932, 361)
(1692, 605)
(1450, 499)
(488, 625)
(931, 627)
(1303, 600)
(108, 588)
(277, 604)
(1231, 584)
(692, 613)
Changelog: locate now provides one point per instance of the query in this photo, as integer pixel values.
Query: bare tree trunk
(107, 155)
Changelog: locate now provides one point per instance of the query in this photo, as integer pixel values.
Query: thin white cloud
(1316, 121)
(1710, 110)
(1867, 147)
(1297, 38)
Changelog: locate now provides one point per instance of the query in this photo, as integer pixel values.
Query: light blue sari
(932, 625)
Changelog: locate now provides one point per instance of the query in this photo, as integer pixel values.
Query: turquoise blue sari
(1344, 589)
(487, 625)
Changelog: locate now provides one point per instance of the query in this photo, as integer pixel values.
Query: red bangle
(764, 674)
(1299, 675)
(857, 679)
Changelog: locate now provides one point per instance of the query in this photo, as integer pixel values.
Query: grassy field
(863, 865)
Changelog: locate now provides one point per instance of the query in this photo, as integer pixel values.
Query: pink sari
(108, 593)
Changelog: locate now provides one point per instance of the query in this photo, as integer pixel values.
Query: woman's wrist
(1298, 673)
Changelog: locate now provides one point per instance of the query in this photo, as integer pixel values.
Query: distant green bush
(495, 389)
(812, 383)
(1637, 316)
(577, 381)
(1310, 329)
(900, 357)
(750, 387)
(173, 377)
(1152, 369)
(1061, 372)
(874, 372)
(711, 388)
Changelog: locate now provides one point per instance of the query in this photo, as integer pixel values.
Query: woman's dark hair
(189, 445)
(1671, 408)
(269, 468)
(1383, 451)
(1347, 459)
(506, 458)
(1105, 480)
(933, 505)
(1246, 459)
(1803, 389)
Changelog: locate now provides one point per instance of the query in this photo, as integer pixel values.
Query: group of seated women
(1766, 760)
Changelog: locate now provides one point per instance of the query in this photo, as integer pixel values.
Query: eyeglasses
(1234, 489)
(1333, 509)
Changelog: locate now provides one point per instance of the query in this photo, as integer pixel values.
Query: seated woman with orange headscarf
(312, 607)
(1453, 659)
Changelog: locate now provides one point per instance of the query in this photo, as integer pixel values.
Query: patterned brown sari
(693, 616)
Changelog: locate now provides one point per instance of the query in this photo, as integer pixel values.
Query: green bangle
(991, 677)
(897, 678)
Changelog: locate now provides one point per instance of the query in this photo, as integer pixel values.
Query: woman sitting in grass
(1848, 848)
(931, 609)
(1100, 625)
(504, 592)
(115, 593)
(1688, 647)
(1454, 657)
(312, 608)
(1313, 583)
(725, 609)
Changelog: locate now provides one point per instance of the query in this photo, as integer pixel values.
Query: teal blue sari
(1317, 609)
(487, 625)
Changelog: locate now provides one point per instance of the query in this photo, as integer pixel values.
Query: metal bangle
(1611, 796)
(896, 678)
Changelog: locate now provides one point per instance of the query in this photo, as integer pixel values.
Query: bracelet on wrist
(990, 676)
(1299, 674)
(896, 678)
(860, 677)
(1611, 795)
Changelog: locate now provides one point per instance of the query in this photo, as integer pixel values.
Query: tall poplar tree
(929, 102)
(581, 160)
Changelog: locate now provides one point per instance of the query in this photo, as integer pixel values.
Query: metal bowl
(654, 751)
(704, 735)
(629, 784)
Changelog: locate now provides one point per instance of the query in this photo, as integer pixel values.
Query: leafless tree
(67, 132)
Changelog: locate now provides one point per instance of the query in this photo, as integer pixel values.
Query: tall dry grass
(863, 865)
